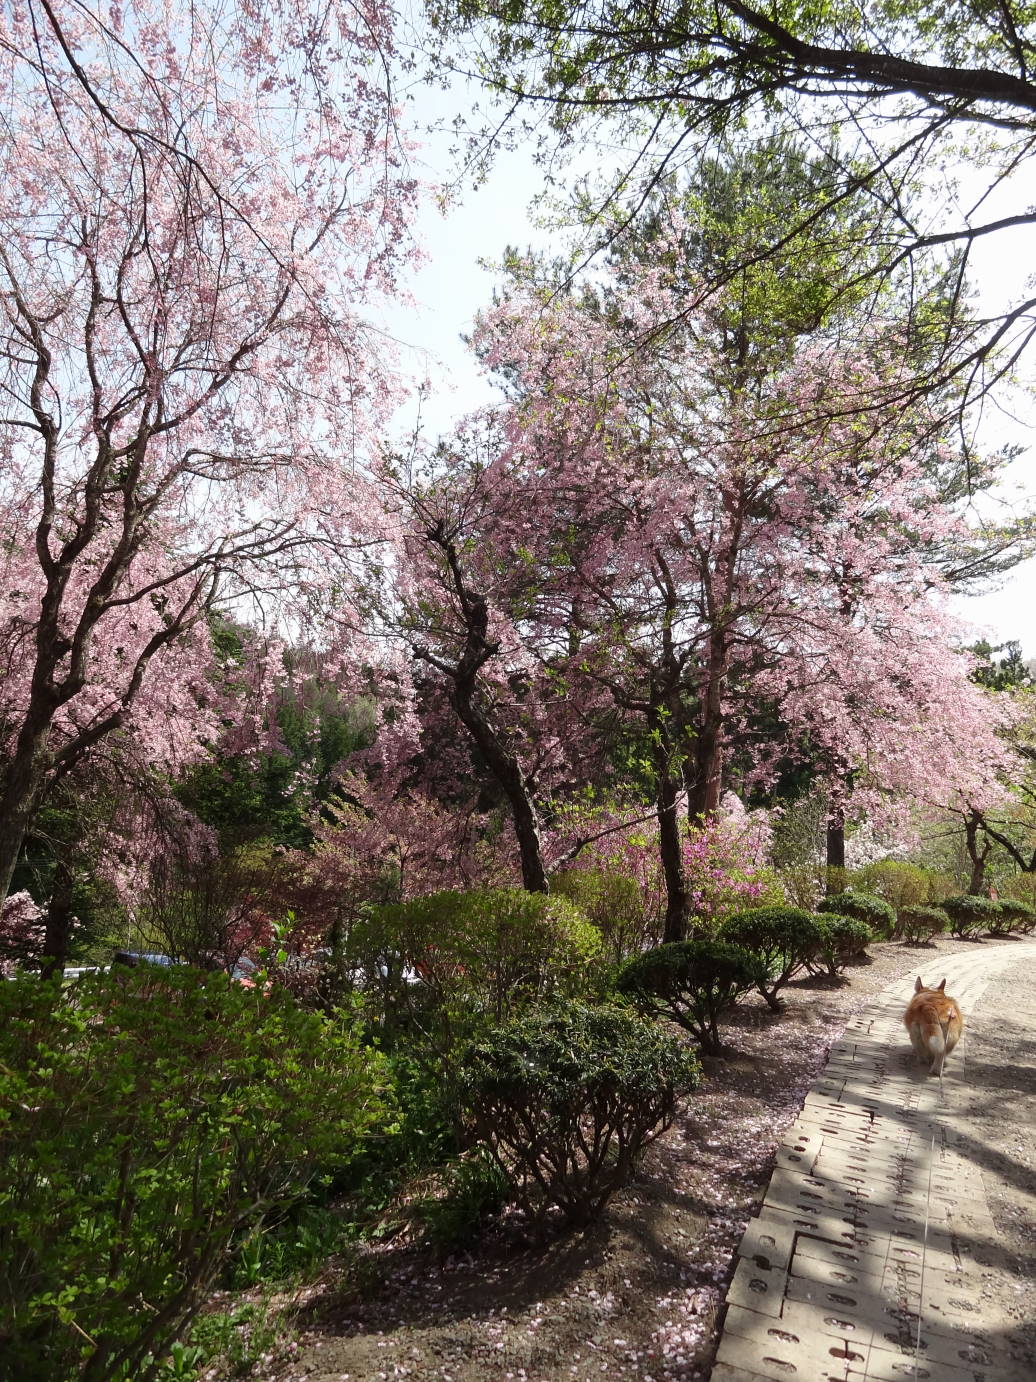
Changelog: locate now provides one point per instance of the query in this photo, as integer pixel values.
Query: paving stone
(868, 1222)
(750, 1351)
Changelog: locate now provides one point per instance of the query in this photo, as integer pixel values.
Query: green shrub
(917, 924)
(227, 1343)
(565, 1100)
(784, 938)
(1015, 917)
(875, 912)
(845, 938)
(1020, 887)
(481, 957)
(148, 1121)
(901, 884)
(612, 901)
(692, 982)
(462, 1195)
(970, 914)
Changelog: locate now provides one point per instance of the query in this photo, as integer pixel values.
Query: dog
(934, 1023)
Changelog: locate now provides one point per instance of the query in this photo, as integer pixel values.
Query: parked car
(135, 958)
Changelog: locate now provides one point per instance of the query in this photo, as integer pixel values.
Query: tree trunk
(23, 787)
(977, 856)
(59, 921)
(670, 845)
(705, 780)
(836, 840)
(834, 879)
(508, 771)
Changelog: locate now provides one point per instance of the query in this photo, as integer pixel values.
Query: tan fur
(934, 1023)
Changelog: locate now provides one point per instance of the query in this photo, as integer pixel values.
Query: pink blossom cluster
(22, 932)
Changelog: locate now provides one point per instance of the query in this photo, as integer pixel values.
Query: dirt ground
(639, 1295)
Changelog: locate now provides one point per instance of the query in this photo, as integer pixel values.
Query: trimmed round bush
(845, 938)
(784, 938)
(918, 924)
(970, 914)
(149, 1120)
(878, 914)
(1015, 918)
(692, 982)
(565, 1099)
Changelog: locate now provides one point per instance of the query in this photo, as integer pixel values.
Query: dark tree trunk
(977, 854)
(670, 845)
(23, 786)
(705, 780)
(835, 850)
(59, 921)
(508, 771)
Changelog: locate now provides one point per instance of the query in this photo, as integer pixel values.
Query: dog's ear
(942, 987)
(918, 986)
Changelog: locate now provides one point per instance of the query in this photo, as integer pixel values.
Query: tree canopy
(911, 89)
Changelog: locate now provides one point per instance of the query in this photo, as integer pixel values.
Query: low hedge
(693, 983)
(566, 1099)
(918, 924)
(845, 938)
(1016, 918)
(785, 938)
(878, 914)
(970, 914)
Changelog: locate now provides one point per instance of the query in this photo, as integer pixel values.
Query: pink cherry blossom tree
(719, 548)
(467, 599)
(198, 206)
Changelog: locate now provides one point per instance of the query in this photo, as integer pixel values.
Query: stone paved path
(874, 1213)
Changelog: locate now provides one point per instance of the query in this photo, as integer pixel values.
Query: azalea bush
(693, 983)
(785, 939)
(722, 872)
(970, 914)
(918, 924)
(565, 1099)
(844, 939)
(875, 912)
(149, 1122)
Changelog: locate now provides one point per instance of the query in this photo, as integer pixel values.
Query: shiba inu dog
(934, 1023)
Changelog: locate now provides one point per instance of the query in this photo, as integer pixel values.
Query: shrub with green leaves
(784, 938)
(970, 914)
(480, 957)
(875, 912)
(901, 884)
(693, 983)
(566, 1098)
(149, 1120)
(919, 924)
(845, 939)
(1015, 918)
(613, 902)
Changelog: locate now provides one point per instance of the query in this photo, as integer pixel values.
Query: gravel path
(897, 1238)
